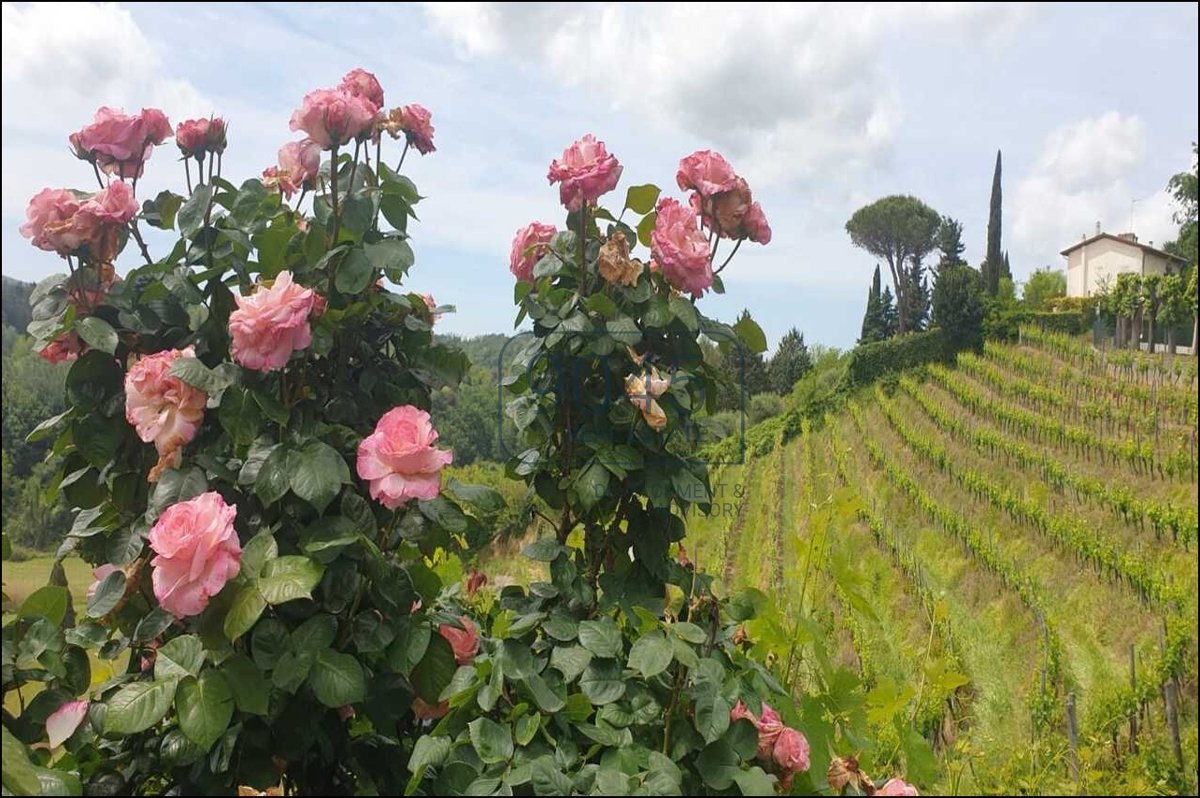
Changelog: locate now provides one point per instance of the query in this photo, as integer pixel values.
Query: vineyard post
(1173, 722)
(1073, 736)
(1133, 727)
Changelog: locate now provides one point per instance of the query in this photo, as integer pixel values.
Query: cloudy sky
(822, 109)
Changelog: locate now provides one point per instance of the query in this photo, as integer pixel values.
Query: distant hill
(16, 312)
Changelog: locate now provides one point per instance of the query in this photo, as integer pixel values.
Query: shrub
(871, 361)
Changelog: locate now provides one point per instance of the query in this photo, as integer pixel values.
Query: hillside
(987, 543)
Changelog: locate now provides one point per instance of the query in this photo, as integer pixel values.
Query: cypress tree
(993, 263)
(874, 326)
(891, 318)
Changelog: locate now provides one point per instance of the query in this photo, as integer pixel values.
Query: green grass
(22, 578)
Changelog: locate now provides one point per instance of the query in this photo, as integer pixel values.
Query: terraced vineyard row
(981, 552)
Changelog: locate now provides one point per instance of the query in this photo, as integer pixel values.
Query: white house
(1096, 261)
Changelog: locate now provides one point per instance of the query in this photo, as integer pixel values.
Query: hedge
(869, 362)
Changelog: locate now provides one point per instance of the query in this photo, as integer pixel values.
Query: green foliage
(1182, 188)
(959, 306)
(764, 406)
(995, 266)
(875, 325)
(912, 310)
(949, 244)
(869, 362)
(741, 372)
(789, 363)
(1042, 286)
(901, 230)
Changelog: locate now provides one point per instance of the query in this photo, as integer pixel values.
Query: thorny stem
(353, 167)
(137, 236)
(333, 170)
(731, 254)
(99, 179)
(187, 171)
(401, 164)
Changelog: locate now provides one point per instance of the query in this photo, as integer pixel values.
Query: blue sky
(821, 108)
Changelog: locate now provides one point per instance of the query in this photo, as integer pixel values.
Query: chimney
(1097, 227)
(1128, 237)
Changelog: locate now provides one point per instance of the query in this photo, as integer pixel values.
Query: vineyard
(1003, 553)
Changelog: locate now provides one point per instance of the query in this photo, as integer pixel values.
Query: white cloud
(1081, 177)
(791, 91)
(60, 58)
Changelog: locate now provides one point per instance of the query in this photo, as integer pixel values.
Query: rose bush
(278, 559)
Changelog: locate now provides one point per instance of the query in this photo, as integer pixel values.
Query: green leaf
(316, 633)
(645, 228)
(641, 199)
(370, 633)
(107, 594)
(49, 602)
(325, 537)
(393, 256)
(601, 637)
(247, 607)
(191, 214)
(751, 335)
(20, 776)
(138, 706)
(318, 472)
(174, 486)
(429, 752)
(435, 670)
(353, 273)
(444, 514)
(651, 654)
(570, 661)
(481, 497)
(592, 485)
(358, 212)
(268, 643)
(205, 707)
(600, 303)
(491, 741)
(689, 632)
(292, 669)
(97, 333)
(718, 765)
(754, 781)
(250, 690)
(602, 682)
(288, 578)
(179, 657)
(239, 414)
(515, 658)
(624, 331)
(337, 679)
(257, 552)
(192, 371)
(543, 694)
(712, 713)
(548, 778)
(273, 476)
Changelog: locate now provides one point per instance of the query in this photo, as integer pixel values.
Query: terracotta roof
(1138, 244)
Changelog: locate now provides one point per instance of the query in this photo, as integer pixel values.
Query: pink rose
(299, 163)
(49, 221)
(740, 712)
(98, 575)
(163, 408)
(530, 245)
(705, 171)
(361, 83)
(63, 349)
(791, 750)
(63, 722)
(585, 172)
(770, 727)
(192, 138)
(271, 323)
(897, 787)
(120, 144)
(680, 248)
(197, 553)
(464, 642)
(217, 137)
(755, 225)
(113, 206)
(399, 458)
(475, 580)
(416, 123)
(432, 304)
(333, 117)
